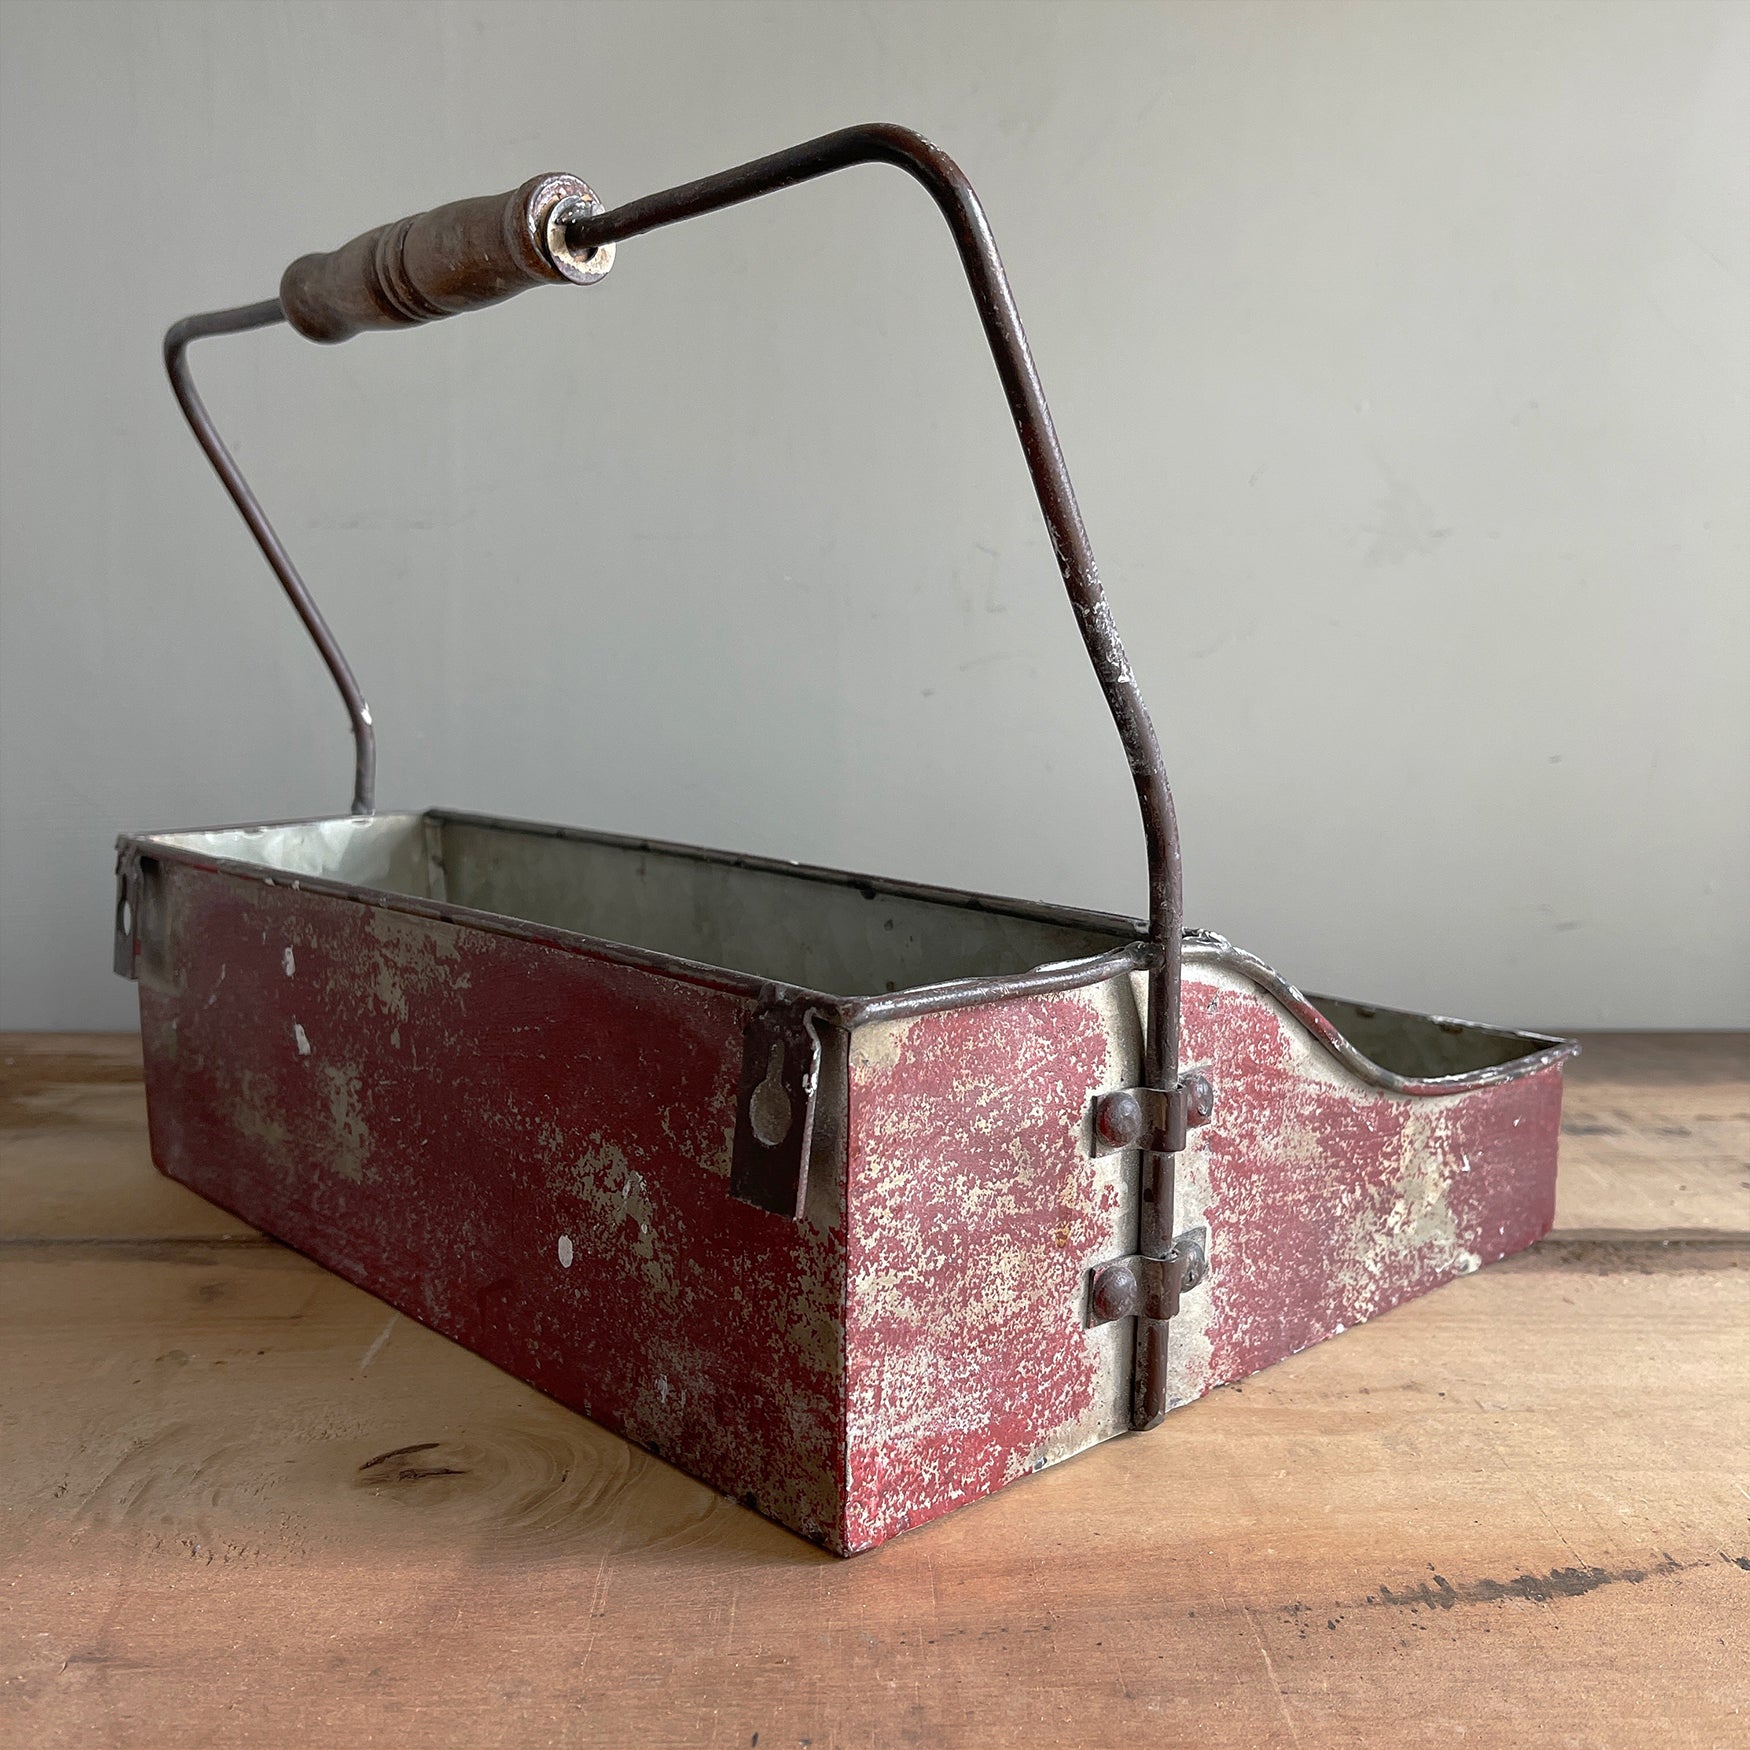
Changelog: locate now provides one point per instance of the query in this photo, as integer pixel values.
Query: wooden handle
(440, 263)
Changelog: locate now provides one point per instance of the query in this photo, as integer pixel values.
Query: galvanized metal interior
(1424, 1047)
(784, 923)
(820, 929)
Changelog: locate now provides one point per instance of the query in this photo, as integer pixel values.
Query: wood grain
(242, 1503)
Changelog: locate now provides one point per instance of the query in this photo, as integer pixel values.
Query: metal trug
(467, 254)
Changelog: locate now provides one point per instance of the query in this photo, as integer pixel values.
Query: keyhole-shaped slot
(768, 1107)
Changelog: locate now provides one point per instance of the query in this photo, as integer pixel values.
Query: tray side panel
(974, 1209)
(1328, 1200)
(520, 1147)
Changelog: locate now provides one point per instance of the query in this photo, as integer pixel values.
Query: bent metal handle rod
(553, 230)
(946, 183)
(194, 410)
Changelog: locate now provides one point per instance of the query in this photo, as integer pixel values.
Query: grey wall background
(1399, 351)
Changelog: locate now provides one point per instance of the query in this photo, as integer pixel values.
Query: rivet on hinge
(1152, 1118)
(1148, 1288)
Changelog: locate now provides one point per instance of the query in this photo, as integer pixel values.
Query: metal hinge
(775, 1108)
(1144, 1285)
(1156, 1119)
(1148, 1288)
(127, 909)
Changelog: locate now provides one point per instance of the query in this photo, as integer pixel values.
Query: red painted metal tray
(855, 1198)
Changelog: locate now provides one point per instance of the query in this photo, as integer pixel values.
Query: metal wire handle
(431, 266)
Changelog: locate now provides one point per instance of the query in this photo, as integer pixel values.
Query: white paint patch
(876, 1045)
(302, 1038)
(350, 1151)
(371, 1353)
(289, 961)
(566, 1254)
(662, 1386)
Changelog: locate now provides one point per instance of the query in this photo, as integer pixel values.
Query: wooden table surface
(1513, 1512)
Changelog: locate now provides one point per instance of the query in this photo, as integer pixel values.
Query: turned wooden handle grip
(440, 263)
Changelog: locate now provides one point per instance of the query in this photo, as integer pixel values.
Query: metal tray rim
(842, 1010)
(1200, 946)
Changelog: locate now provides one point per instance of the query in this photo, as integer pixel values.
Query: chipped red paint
(527, 1148)
(974, 1213)
(429, 1110)
(1328, 1200)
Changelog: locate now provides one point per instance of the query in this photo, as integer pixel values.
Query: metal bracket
(1148, 1288)
(774, 1114)
(127, 910)
(1155, 1119)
